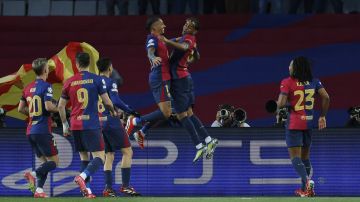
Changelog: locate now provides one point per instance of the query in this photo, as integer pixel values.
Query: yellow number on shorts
(35, 106)
(101, 107)
(309, 98)
(83, 97)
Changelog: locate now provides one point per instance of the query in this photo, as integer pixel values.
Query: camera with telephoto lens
(354, 112)
(224, 114)
(240, 115)
(2, 116)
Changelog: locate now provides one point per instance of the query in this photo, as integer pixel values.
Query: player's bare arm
(22, 108)
(50, 107)
(181, 46)
(325, 102)
(108, 104)
(62, 113)
(281, 101)
(151, 55)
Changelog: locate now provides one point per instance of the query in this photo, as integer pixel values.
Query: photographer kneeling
(229, 117)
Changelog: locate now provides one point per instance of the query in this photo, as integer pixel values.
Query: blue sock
(83, 166)
(300, 169)
(125, 176)
(41, 179)
(147, 126)
(108, 178)
(200, 129)
(189, 126)
(307, 165)
(152, 117)
(44, 168)
(93, 166)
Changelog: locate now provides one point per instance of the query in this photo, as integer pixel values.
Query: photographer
(354, 121)
(229, 117)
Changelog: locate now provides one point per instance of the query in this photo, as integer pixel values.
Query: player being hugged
(114, 133)
(36, 103)
(83, 90)
(297, 92)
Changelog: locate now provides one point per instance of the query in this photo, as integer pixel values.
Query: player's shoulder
(288, 80)
(151, 40)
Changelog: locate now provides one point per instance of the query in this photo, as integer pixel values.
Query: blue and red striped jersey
(179, 59)
(301, 100)
(83, 90)
(159, 72)
(35, 95)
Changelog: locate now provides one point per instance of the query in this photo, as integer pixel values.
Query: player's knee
(109, 157)
(127, 152)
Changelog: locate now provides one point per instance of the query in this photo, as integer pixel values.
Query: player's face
(291, 68)
(46, 71)
(159, 27)
(188, 27)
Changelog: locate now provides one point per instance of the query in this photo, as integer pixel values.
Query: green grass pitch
(184, 199)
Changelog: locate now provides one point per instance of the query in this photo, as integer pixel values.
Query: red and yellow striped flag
(61, 66)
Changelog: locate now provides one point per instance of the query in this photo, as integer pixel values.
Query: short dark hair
(38, 65)
(302, 69)
(195, 21)
(103, 64)
(150, 21)
(83, 59)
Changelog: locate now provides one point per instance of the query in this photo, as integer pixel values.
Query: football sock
(200, 129)
(39, 190)
(189, 126)
(125, 176)
(83, 166)
(300, 169)
(46, 167)
(41, 180)
(92, 167)
(307, 165)
(151, 117)
(108, 178)
(147, 126)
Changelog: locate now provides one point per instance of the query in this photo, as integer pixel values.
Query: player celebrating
(159, 77)
(114, 134)
(83, 90)
(298, 92)
(36, 103)
(182, 89)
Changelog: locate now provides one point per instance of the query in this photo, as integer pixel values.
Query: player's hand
(156, 61)
(322, 122)
(113, 113)
(66, 129)
(163, 39)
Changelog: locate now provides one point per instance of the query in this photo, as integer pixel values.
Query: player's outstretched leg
(152, 117)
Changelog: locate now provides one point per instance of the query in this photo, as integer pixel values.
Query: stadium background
(243, 59)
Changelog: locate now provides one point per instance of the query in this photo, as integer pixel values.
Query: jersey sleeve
(152, 42)
(190, 40)
(284, 87)
(318, 85)
(100, 85)
(48, 95)
(114, 96)
(65, 91)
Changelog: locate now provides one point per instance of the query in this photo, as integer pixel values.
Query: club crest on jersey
(50, 90)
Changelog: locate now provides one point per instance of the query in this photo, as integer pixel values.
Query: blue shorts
(298, 138)
(160, 90)
(43, 144)
(115, 139)
(88, 140)
(182, 93)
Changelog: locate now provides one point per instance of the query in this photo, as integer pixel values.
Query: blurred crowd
(233, 6)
